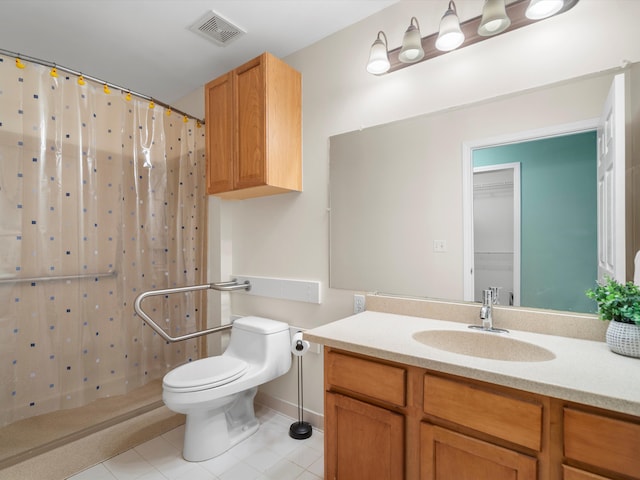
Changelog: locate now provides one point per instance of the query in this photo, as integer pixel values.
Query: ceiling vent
(214, 27)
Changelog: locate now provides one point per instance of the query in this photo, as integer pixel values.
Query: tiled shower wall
(95, 185)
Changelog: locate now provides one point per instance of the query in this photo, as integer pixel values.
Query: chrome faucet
(489, 298)
(486, 310)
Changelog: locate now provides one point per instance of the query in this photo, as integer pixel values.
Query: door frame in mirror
(467, 182)
(515, 247)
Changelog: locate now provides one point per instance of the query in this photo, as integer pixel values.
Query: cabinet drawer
(570, 473)
(376, 380)
(513, 419)
(602, 442)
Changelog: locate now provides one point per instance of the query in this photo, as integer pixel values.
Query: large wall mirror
(399, 196)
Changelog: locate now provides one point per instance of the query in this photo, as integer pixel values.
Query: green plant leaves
(617, 301)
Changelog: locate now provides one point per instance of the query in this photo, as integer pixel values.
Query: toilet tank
(261, 340)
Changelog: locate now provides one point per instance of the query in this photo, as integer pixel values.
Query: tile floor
(269, 454)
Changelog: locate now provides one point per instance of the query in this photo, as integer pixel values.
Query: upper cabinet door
(251, 122)
(219, 134)
(611, 184)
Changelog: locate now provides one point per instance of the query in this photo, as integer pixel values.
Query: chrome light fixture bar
(492, 22)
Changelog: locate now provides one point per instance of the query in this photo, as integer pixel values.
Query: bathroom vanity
(400, 404)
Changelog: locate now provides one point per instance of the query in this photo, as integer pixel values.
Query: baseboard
(95, 448)
(287, 408)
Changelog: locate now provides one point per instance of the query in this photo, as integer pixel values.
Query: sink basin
(494, 346)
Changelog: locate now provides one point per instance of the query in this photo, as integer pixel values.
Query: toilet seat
(204, 374)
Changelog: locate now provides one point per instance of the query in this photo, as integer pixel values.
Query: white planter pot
(624, 338)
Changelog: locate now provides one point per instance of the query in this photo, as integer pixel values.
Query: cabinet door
(362, 441)
(250, 168)
(219, 134)
(447, 455)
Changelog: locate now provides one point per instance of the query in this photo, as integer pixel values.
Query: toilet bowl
(217, 393)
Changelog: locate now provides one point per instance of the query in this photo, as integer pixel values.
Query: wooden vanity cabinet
(253, 121)
(365, 441)
(599, 445)
(446, 454)
(387, 420)
(391, 421)
(480, 417)
(364, 425)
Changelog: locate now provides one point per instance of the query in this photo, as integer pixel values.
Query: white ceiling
(146, 45)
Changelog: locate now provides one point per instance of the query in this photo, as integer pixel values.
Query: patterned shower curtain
(102, 197)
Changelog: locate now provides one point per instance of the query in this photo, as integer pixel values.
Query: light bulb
(539, 9)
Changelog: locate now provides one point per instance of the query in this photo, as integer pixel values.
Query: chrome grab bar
(57, 277)
(221, 286)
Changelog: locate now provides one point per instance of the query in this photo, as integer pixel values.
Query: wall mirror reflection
(535, 221)
(401, 199)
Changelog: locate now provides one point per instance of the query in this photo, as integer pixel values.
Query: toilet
(217, 393)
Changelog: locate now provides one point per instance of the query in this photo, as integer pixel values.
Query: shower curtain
(102, 197)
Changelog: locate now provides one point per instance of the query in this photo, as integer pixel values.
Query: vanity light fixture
(498, 16)
(450, 36)
(379, 56)
(411, 43)
(494, 18)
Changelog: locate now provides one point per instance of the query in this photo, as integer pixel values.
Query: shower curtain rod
(45, 63)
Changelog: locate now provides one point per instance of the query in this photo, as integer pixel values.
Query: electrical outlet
(358, 303)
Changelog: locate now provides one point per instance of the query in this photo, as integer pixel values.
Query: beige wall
(287, 235)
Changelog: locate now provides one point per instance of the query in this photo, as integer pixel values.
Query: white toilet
(217, 393)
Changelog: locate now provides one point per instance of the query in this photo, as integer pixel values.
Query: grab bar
(58, 277)
(221, 286)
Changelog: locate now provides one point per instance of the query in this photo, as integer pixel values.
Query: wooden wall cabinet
(253, 121)
(385, 420)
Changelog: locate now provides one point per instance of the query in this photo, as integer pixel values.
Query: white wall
(287, 235)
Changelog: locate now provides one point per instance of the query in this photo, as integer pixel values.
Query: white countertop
(582, 371)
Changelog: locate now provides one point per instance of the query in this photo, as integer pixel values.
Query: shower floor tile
(270, 454)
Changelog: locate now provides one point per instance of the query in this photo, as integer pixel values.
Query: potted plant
(619, 303)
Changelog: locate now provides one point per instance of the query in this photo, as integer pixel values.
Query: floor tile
(175, 437)
(304, 456)
(153, 475)
(220, 464)
(128, 466)
(269, 454)
(99, 472)
(240, 471)
(284, 470)
(196, 473)
(307, 475)
(317, 467)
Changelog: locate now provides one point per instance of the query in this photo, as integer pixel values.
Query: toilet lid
(205, 373)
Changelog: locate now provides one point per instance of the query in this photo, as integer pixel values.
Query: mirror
(396, 190)
(535, 221)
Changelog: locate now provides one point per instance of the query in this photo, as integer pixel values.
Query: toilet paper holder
(300, 430)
